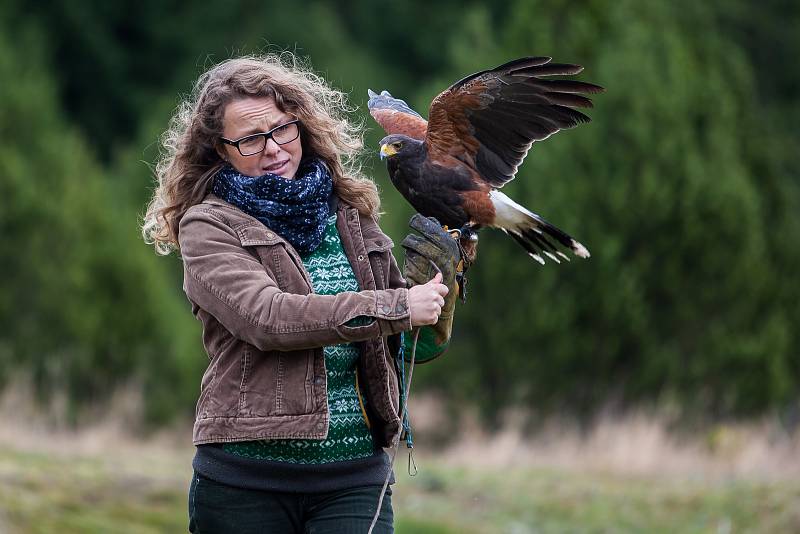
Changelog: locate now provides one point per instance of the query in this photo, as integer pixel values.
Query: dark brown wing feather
(490, 119)
(395, 116)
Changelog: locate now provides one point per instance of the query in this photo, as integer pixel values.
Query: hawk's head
(399, 145)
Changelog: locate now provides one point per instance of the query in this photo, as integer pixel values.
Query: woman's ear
(221, 152)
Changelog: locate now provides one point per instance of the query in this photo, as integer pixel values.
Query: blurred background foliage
(684, 187)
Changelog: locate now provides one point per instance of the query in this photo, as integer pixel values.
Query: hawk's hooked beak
(387, 150)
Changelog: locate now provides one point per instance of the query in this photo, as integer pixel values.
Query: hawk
(479, 131)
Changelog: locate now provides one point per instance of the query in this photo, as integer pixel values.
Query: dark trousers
(216, 508)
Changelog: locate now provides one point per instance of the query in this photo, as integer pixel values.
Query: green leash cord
(396, 444)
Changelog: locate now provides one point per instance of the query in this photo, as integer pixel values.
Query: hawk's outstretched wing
(490, 119)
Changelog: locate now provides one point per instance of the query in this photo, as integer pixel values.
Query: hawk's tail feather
(533, 233)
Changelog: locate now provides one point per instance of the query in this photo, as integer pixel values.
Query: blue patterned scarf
(296, 209)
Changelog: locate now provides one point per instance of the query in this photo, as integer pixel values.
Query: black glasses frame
(266, 135)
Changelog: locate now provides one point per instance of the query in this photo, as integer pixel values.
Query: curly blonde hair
(189, 158)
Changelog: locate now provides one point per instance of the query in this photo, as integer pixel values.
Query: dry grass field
(627, 475)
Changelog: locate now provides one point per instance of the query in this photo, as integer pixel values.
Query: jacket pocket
(379, 250)
(259, 391)
(247, 363)
(283, 267)
(277, 383)
(294, 383)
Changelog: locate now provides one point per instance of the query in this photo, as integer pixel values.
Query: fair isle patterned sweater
(348, 435)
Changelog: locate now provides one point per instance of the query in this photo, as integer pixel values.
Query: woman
(302, 303)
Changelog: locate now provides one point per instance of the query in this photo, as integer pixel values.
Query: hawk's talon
(466, 232)
(461, 286)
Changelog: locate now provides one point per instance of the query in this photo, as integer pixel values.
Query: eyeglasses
(250, 145)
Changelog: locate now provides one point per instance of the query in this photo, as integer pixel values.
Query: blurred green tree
(681, 298)
(684, 187)
(84, 307)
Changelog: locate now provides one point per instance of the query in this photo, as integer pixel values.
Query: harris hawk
(479, 131)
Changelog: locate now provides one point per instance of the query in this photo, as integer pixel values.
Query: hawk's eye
(397, 145)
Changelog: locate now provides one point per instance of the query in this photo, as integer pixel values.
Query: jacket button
(317, 380)
(320, 426)
(270, 235)
(387, 309)
(360, 257)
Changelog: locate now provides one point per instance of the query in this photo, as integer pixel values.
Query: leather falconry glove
(434, 250)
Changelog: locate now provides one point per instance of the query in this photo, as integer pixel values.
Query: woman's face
(249, 115)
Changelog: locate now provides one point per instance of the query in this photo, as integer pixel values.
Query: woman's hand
(425, 301)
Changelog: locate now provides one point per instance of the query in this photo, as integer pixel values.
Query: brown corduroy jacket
(264, 328)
